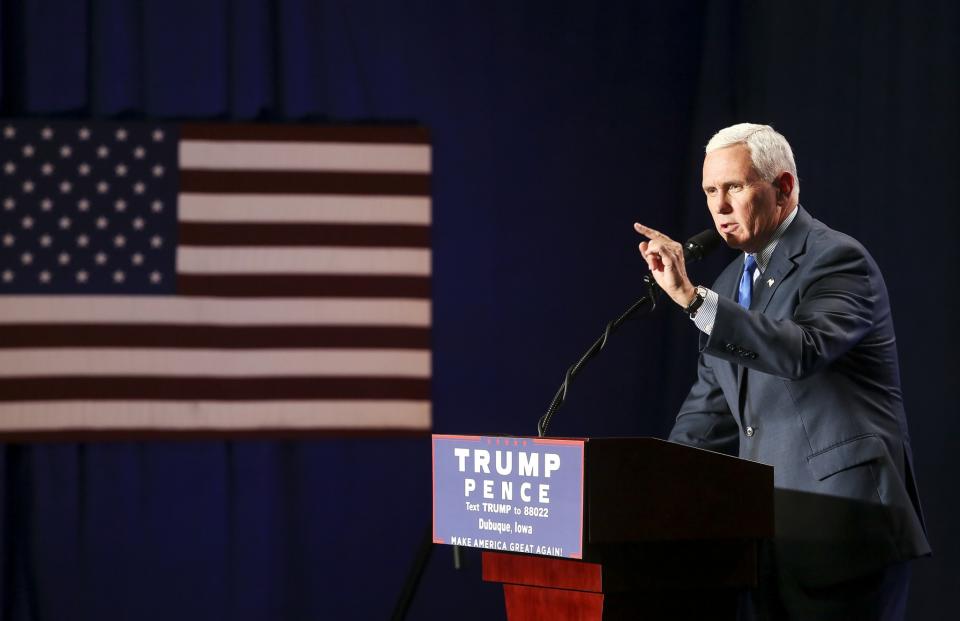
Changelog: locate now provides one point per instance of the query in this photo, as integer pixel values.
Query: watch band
(691, 309)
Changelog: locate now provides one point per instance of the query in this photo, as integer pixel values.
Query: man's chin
(732, 241)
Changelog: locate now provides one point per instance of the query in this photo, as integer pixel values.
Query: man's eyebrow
(724, 183)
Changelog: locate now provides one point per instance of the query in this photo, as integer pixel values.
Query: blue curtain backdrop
(555, 126)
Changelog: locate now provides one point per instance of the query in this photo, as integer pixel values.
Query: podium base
(525, 603)
(697, 581)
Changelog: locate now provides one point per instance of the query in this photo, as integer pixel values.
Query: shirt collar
(763, 257)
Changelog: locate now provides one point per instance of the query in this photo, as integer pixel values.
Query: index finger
(646, 231)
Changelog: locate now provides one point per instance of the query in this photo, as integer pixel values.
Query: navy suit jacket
(807, 381)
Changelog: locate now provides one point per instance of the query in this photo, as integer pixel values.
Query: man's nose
(720, 204)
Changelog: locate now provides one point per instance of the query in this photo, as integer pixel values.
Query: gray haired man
(798, 369)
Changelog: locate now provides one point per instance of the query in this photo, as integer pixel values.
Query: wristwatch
(691, 309)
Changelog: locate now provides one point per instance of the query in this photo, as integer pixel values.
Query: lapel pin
(770, 283)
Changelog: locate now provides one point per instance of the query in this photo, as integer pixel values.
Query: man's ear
(784, 184)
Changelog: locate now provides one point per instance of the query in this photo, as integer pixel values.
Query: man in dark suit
(798, 369)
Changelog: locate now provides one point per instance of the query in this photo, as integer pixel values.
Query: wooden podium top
(646, 489)
(586, 497)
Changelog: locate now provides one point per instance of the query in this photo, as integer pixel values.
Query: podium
(665, 531)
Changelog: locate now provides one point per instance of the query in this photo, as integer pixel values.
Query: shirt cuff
(706, 315)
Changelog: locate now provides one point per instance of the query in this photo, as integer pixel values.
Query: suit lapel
(781, 265)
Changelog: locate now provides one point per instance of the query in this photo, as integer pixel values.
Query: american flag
(224, 278)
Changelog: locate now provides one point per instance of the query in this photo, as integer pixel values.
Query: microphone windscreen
(701, 244)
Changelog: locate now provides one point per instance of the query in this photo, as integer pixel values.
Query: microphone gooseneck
(695, 249)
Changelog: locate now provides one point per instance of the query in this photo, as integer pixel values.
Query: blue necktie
(746, 281)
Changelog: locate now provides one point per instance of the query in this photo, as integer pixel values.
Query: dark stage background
(555, 126)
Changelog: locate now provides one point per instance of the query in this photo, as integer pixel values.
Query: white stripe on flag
(299, 156)
(80, 309)
(117, 361)
(320, 260)
(304, 208)
(200, 415)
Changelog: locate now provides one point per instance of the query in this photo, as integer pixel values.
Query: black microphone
(700, 245)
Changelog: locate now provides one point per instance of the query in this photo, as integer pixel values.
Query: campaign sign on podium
(511, 494)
